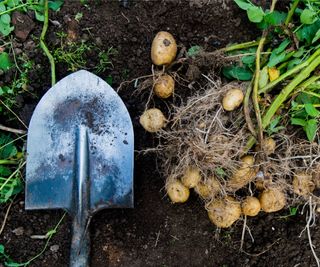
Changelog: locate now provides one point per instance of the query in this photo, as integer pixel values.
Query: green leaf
(276, 58)
(282, 46)
(243, 4)
(236, 72)
(248, 60)
(264, 77)
(311, 110)
(255, 14)
(308, 32)
(5, 29)
(273, 127)
(311, 129)
(316, 37)
(294, 62)
(39, 16)
(220, 172)
(1, 249)
(275, 18)
(4, 171)
(109, 80)
(55, 5)
(5, 62)
(2, 7)
(9, 150)
(194, 50)
(297, 121)
(308, 16)
(5, 18)
(13, 3)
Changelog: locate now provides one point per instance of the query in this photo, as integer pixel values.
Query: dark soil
(155, 232)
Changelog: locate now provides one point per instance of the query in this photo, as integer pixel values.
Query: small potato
(208, 189)
(191, 177)
(177, 192)
(152, 120)
(224, 212)
(272, 200)
(269, 146)
(163, 48)
(251, 206)
(232, 99)
(243, 175)
(302, 184)
(164, 86)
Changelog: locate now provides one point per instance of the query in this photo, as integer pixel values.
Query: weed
(10, 263)
(292, 212)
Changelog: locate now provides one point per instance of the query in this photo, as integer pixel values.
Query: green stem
(240, 46)
(14, 8)
(43, 44)
(246, 109)
(312, 93)
(291, 12)
(285, 75)
(6, 161)
(287, 90)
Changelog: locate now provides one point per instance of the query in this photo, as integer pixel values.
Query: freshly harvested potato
(233, 99)
(164, 86)
(262, 182)
(243, 175)
(251, 206)
(302, 184)
(163, 49)
(272, 200)
(152, 120)
(191, 177)
(209, 188)
(274, 73)
(269, 146)
(177, 192)
(224, 212)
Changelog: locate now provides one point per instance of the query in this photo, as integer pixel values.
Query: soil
(155, 232)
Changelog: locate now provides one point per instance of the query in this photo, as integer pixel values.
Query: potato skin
(163, 48)
(164, 86)
(152, 120)
(251, 206)
(224, 212)
(243, 175)
(302, 184)
(209, 188)
(272, 200)
(177, 192)
(233, 99)
(191, 177)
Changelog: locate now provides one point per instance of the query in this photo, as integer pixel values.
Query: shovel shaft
(80, 244)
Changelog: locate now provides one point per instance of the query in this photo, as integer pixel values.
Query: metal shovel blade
(80, 154)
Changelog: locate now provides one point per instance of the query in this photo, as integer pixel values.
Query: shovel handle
(80, 244)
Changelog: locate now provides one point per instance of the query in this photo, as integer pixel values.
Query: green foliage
(194, 50)
(237, 72)
(10, 178)
(37, 6)
(304, 114)
(278, 55)
(5, 61)
(274, 126)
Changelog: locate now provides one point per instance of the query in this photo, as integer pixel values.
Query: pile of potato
(224, 207)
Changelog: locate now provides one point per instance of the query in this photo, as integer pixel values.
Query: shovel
(80, 155)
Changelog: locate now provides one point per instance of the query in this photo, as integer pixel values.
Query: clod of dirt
(18, 231)
(23, 25)
(54, 248)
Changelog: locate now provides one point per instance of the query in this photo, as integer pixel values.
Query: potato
(191, 177)
(262, 182)
(232, 99)
(163, 48)
(224, 212)
(177, 192)
(302, 184)
(209, 188)
(243, 175)
(164, 86)
(274, 73)
(269, 146)
(251, 206)
(272, 200)
(152, 120)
